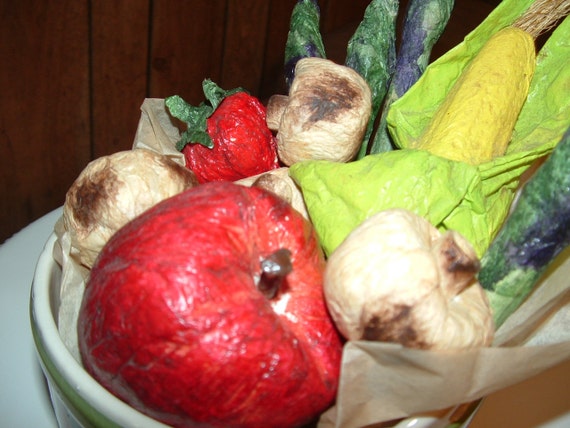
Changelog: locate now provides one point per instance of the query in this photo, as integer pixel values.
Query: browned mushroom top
(114, 189)
(325, 115)
(396, 278)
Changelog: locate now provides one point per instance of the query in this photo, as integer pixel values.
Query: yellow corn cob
(475, 121)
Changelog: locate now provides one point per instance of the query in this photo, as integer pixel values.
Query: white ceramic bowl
(78, 400)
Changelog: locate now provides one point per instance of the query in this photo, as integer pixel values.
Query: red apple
(194, 315)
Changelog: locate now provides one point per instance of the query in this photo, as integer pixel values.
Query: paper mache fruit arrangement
(373, 201)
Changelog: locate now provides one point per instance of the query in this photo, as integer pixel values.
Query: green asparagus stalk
(304, 38)
(424, 22)
(371, 52)
(537, 230)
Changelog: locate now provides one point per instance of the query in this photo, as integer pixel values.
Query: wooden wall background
(74, 73)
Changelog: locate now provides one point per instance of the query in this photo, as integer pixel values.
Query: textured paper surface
(156, 131)
(479, 200)
(385, 382)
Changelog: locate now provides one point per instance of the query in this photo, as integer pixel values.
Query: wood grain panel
(186, 47)
(336, 14)
(244, 44)
(272, 78)
(119, 46)
(44, 107)
(75, 73)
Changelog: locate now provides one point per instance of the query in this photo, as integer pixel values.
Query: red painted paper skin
(243, 144)
(172, 321)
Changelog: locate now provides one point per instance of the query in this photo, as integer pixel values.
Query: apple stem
(274, 268)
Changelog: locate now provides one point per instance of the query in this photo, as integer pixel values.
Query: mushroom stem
(275, 184)
(274, 269)
(275, 108)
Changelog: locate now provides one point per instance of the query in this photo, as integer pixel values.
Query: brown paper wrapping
(383, 383)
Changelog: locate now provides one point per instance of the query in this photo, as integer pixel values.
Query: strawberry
(227, 137)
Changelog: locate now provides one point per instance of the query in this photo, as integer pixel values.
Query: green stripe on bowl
(75, 403)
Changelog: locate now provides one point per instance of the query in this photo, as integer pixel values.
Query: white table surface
(543, 401)
(24, 398)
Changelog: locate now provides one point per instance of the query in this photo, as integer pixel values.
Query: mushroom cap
(396, 278)
(327, 113)
(112, 190)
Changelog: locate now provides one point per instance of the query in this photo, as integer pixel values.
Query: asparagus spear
(537, 230)
(371, 52)
(304, 38)
(424, 22)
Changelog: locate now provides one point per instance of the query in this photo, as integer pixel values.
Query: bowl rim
(84, 397)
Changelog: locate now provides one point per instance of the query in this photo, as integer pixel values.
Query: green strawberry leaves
(195, 117)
